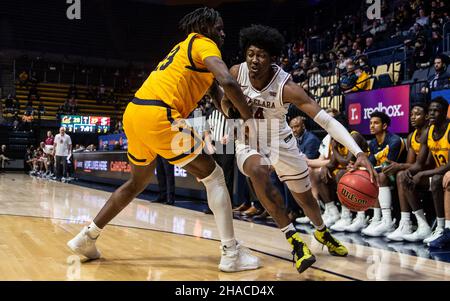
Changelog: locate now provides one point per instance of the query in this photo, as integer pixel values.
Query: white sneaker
(83, 244)
(240, 259)
(422, 232)
(404, 228)
(384, 226)
(331, 218)
(435, 234)
(358, 223)
(302, 220)
(372, 225)
(342, 224)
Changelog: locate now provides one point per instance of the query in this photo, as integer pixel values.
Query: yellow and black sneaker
(334, 246)
(302, 256)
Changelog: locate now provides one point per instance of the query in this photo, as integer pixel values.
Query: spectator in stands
(62, 148)
(436, 38)
(9, 104)
(423, 19)
(91, 148)
(27, 120)
(48, 149)
(23, 79)
(378, 26)
(441, 78)
(4, 158)
(65, 108)
(369, 45)
(73, 105)
(118, 129)
(363, 82)
(349, 78)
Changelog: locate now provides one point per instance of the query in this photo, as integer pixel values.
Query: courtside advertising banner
(393, 101)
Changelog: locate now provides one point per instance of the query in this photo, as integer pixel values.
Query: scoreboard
(86, 124)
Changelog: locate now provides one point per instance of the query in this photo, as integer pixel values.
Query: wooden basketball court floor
(150, 241)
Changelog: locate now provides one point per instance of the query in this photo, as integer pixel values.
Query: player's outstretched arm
(294, 94)
(229, 84)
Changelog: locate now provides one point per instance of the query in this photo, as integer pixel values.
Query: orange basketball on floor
(356, 192)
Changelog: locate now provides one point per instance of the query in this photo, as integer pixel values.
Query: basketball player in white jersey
(269, 92)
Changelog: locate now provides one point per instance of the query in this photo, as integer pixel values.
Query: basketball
(356, 192)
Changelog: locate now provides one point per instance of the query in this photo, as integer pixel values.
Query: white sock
(376, 214)
(330, 206)
(320, 227)
(93, 230)
(420, 216)
(288, 228)
(385, 197)
(406, 217)
(345, 212)
(440, 222)
(220, 204)
(447, 223)
(387, 215)
(361, 214)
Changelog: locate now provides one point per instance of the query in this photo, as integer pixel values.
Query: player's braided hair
(264, 37)
(199, 20)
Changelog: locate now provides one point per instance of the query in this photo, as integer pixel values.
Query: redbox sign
(393, 101)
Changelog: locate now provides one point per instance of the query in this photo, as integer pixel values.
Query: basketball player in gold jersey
(153, 123)
(409, 200)
(436, 145)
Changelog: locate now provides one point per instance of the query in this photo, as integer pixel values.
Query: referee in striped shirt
(220, 144)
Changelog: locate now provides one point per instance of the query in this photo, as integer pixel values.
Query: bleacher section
(54, 95)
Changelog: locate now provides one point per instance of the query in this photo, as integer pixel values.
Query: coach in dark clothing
(166, 181)
(307, 142)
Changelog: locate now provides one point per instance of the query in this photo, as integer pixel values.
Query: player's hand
(446, 180)
(415, 180)
(392, 169)
(363, 161)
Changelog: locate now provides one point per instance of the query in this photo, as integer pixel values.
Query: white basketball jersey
(267, 103)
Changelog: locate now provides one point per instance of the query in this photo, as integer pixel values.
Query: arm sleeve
(337, 131)
(203, 48)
